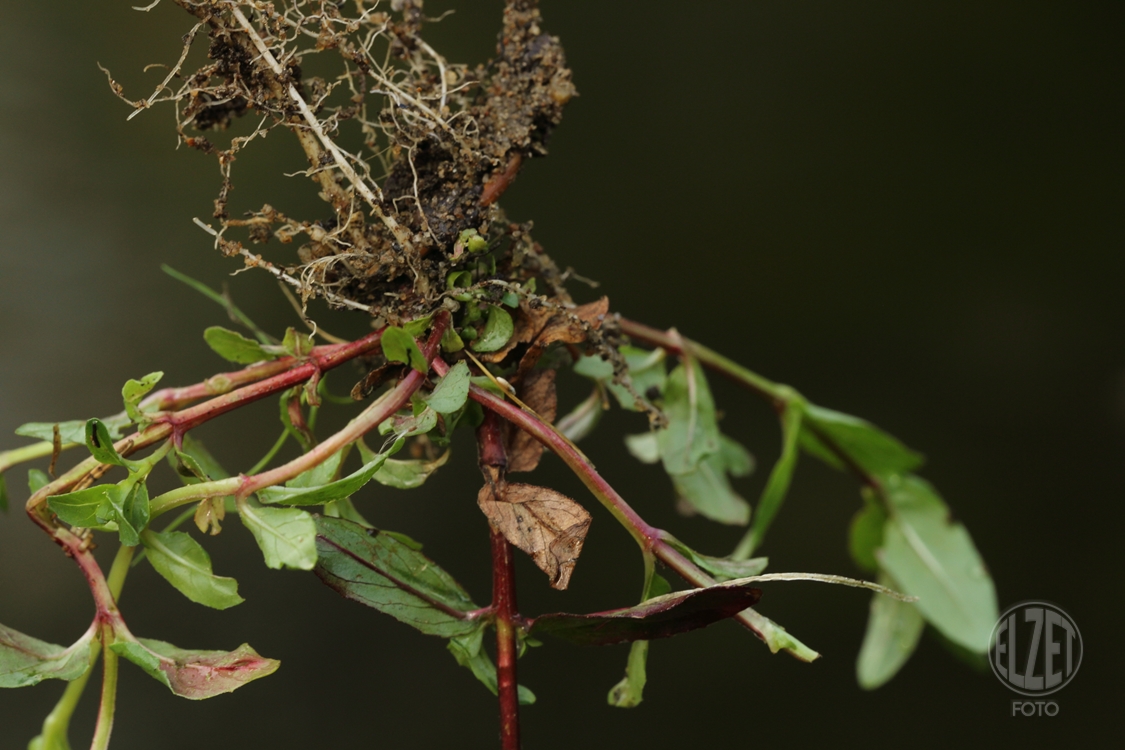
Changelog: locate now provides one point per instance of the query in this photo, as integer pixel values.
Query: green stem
(42, 449)
(109, 692)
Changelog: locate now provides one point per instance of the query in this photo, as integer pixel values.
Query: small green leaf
(692, 433)
(286, 536)
(131, 510)
(893, 630)
(722, 568)
(497, 330)
(380, 571)
(325, 493)
(630, 691)
(452, 390)
(400, 346)
(644, 447)
(866, 533)
(27, 661)
(37, 480)
(204, 460)
(418, 326)
(187, 566)
(100, 444)
(196, 674)
(135, 390)
(451, 342)
(466, 649)
(295, 344)
(234, 347)
(934, 558)
(738, 460)
(321, 474)
(870, 448)
(69, 432)
(406, 475)
(708, 491)
(88, 509)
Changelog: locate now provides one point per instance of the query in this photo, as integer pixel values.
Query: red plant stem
(493, 462)
(175, 424)
(504, 607)
(368, 420)
(648, 537)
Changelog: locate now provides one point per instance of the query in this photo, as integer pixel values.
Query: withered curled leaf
(547, 525)
(537, 390)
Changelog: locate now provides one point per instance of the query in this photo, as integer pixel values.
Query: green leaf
(692, 433)
(933, 558)
(738, 460)
(27, 661)
(466, 649)
(100, 444)
(870, 448)
(325, 493)
(194, 448)
(69, 432)
(866, 533)
(234, 347)
(893, 630)
(295, 344)
(497, 330)
(131, 510)
(286, 536)
(321, 474)
(722, 568)
(708, 491)
(196, 674)
(646, 371)
(452, 390)
(381, 572)
(400, 346)
(584, 418)
(451, 342)
(659, 617)
(418, 326)
(186, 565)
(134, 390)
(644, 447)
(777, 486)
(37, 480)
(630, 691)
(88, 509)
(406, 475)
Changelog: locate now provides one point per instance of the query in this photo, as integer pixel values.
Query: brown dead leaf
(537, 390)
(547, 525)
(567, 327)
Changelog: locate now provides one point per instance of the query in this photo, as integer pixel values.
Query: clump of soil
(414, 219)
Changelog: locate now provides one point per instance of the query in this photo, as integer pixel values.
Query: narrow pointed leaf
(722, 568)
(867, 446)
(708, 491)
(27, 661)
(893, 630)
(380, 571)
(319, 475)
(661, 617)
(286, 536)
(196, 674)
(187, 566)
(777, 486)
(934, 559)
(452, 390)
(325, 493)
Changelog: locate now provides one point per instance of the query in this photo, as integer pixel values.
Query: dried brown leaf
(568, 327)
(537, 390)
(547, 525)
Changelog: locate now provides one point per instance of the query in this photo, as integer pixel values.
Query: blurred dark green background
(910, 211)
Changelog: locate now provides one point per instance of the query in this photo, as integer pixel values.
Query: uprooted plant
(472, 324)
